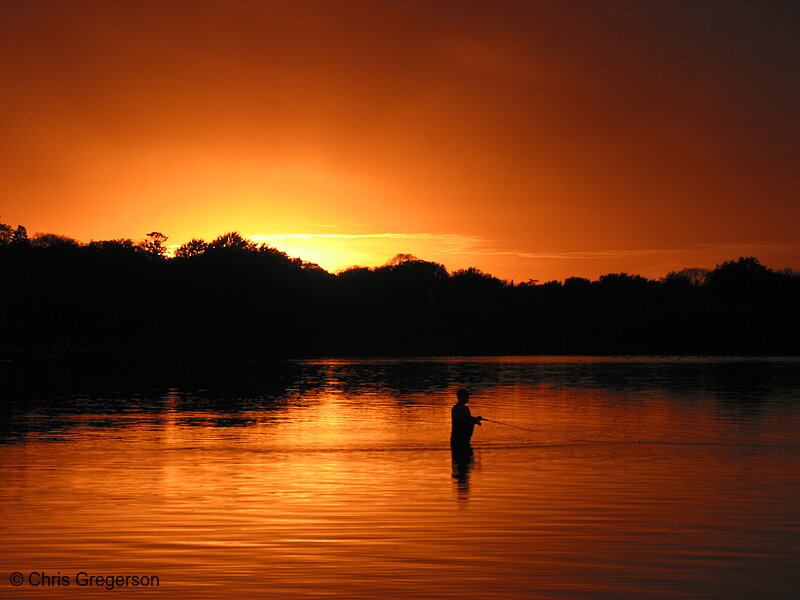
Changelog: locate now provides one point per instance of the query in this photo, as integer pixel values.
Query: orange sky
(529, 139)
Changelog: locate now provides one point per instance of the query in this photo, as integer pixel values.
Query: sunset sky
(530, 139)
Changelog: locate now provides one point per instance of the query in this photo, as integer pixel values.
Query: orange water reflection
(357, 495)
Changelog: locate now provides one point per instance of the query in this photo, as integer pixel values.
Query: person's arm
(468, 414)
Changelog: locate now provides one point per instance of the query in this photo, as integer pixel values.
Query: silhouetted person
(462, 421)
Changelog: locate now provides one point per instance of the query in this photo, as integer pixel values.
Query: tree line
(233, 299)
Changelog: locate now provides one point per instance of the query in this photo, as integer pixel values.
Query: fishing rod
(508, 424)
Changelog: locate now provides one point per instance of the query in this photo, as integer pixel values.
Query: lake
(602, 478)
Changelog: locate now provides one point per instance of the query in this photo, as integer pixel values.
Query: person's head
(462, 395)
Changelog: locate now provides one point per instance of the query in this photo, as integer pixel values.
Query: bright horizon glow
(335, 252)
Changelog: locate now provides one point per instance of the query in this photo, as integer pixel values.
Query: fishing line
(508, 425)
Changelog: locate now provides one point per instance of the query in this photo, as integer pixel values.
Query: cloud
(458, 243)
(696, 249)
(452, 242)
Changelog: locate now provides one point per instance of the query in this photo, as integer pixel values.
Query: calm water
(334, 479)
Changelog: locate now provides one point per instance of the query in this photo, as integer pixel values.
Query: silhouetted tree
(193, 247)
(10, 235)
(20, 235)
(118, 246)
(52, 240)
(689, 276)
(740, 275)
(577, 283)
(399, 259)
(154, 244)
(231, 241)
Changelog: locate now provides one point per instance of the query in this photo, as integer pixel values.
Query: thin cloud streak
(621, 254)
(475, 245)
(455, 243)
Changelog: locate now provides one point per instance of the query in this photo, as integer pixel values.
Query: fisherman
(462, 420)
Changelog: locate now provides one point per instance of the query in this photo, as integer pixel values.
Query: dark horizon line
(154, 244)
